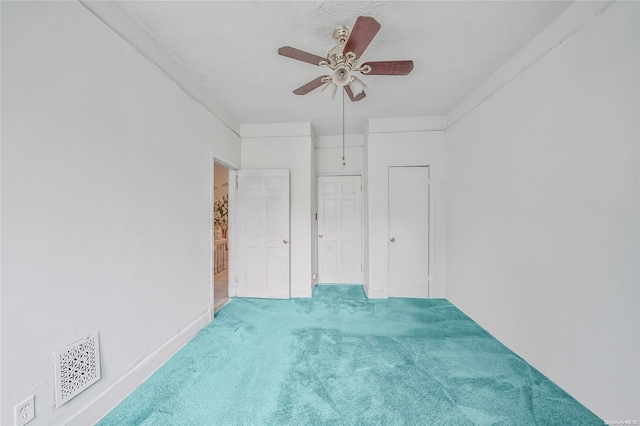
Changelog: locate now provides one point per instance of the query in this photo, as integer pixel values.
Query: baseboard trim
(118, 391)
(373, 293)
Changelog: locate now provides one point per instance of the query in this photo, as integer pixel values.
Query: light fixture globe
(357, 86)
(342, 75)
(330, 89)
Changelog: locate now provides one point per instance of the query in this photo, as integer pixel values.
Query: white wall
(329, 155)
(329, 161)
(293, 153)
(543, 214)
(420, 148)
(106, 222)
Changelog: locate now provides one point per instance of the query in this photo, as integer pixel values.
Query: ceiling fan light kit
(343, 59)
(357, 86)
(330, 89)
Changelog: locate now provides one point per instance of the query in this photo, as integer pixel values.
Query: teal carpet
(340, 359)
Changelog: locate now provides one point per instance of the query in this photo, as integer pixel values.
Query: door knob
(320, 236)
(285, 241)
(392, 239)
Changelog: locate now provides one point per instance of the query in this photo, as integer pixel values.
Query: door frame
(315, 222)
(232, 278)
(231, 267)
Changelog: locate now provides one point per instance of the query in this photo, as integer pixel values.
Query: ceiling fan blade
(361, 35)
(313, 84)
(351, 96)
(293, 53)
(390, 67)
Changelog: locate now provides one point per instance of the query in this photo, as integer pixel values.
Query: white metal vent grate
(76, 368)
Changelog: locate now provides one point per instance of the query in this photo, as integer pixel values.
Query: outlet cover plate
(24, 412)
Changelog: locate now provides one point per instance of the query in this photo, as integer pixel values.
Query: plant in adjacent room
(221, 214)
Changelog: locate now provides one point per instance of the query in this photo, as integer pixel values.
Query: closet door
(409, 232)
(340, 229)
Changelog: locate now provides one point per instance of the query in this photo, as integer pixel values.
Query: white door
(409, 231)
(340, 229)
(262, 233)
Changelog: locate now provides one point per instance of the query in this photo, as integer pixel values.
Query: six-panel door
(263, 233)
(339, 229)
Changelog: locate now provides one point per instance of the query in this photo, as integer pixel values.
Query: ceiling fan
(342, 60)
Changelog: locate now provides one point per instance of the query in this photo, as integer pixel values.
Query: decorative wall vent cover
(76, 368)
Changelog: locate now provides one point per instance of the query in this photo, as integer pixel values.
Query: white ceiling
(230, 48)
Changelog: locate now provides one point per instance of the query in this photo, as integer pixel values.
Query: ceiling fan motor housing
(341, 34)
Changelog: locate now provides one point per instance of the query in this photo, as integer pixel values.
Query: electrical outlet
(24, 412)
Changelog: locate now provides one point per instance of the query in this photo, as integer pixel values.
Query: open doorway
(220, 243)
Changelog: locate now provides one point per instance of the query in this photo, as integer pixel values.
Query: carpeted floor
(340, 359)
